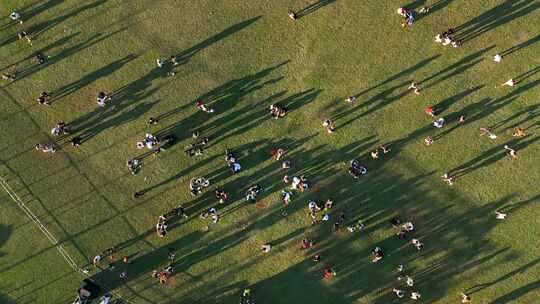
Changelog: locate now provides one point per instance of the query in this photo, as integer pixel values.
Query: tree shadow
(312, 8)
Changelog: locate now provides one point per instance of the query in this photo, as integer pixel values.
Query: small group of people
(447, 38)
(277, 111)
(196, 185)
(356, 169)
(198, 146)
(211, 213)
(60, 129)
(252, 193)
(376, 153)
(232, 162)
(163, 275)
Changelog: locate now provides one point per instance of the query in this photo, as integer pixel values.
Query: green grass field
(240, 57)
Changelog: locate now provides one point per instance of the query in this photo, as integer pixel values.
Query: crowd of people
(319, 212)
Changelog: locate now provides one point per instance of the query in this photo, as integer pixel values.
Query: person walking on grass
(465, 299)
(447, 178)
(350, 99)
(497, 58)
(415, 295)
(511, 152)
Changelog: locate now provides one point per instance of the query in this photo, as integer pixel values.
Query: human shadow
(65, 53)
(86, 80)
(35, 10)
(491, 156)
(448, 102)
(222, 99)
(507, 276)
(312, 8)
(457, 68)
(521, 46)
(184, 56)
(517, 293)
(39, 28)
(494, 17)
(57, 43)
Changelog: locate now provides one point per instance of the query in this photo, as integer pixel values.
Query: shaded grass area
(239, 58)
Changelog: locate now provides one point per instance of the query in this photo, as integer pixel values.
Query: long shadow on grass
(513, 296)
(494, 17)
(521, 46)
(378, 197)
(312, 8)
(222, 99)
(86, 80)
(41, 27)
(185, 56)
(32, 67)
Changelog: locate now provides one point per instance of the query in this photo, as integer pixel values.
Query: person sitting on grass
(356, 169)
(399, 293)
(266, 248)
(292, 15)
(39, 58)
(377, 254)
(44, 99)
(252, 193)
(16, 17)
(231, 162)
(307, 243)
(46, 148)
(328, 273)
(102, 99)
(60, 129)
(134, 165)
(407, 14)
(277, 111)
(221, 195)
(286, 197)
